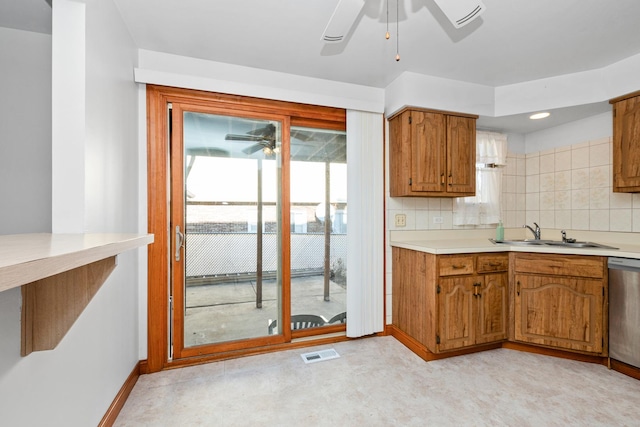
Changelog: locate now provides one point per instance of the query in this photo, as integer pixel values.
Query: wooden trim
(234, 354)
(425, 354)
(157, 202)
(144, 367)
(158, 97)
(303, 113)
(428, 356)
(430, 110)
(590, 358)
(623, 97)
(116, 406)
(384, 224)
(623, 368)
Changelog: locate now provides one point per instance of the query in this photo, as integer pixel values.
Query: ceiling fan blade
(302, 135)
(342, 20)
(268, 131)
(253, 148)
(233, 137)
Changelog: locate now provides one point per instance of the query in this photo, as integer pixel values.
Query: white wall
(590, 128)
(74, 384)
(25, 140)
(191, 73)
(442, 94)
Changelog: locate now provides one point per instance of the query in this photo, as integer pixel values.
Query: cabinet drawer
(453, 265)
(493, 262)
(561, 265)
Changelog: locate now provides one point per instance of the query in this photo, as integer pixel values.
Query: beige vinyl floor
(379, 382)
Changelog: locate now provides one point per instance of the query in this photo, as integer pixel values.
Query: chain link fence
(215, 257)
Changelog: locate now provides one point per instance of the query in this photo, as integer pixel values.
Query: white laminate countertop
(25, 258)
(474, 245)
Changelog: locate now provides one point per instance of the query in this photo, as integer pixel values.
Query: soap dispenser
(500, 231)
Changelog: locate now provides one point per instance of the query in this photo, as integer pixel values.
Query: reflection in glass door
(318, 198)
(227, 213)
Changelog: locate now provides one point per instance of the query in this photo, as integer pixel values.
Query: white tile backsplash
(532, 165)
(580, 199)
(562, 180)
(620, 220)
(547, 163)
(620, 200)
(580, 158)
(562, 161)
(599, 219)
(599, 198)
(564, 188)
(599, 155)
(580, 178)
(599, 176)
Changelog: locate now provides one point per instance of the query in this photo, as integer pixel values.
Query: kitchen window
(485, 206)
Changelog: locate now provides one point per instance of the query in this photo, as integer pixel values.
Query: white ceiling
(512, 41)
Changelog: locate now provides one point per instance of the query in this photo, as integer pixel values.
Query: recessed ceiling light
(539, 116)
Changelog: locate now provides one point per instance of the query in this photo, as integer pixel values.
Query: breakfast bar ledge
(59, 274)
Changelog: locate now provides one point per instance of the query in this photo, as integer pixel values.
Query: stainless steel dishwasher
(624, 310)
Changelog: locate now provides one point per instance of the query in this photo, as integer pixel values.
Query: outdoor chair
(339, 318)
(300, 321)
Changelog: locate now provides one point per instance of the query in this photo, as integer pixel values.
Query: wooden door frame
(158, 191)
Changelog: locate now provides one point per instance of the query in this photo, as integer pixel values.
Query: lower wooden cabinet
(472, 309)
(560, 301)
(449, 302)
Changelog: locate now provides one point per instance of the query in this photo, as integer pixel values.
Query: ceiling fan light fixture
(539, 116)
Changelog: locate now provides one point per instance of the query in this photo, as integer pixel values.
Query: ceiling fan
(264, 138)
(459, 12)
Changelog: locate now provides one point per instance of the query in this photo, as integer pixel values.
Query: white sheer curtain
(484, 207)
(365, 229)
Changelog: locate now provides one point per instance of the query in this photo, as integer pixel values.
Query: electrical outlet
(437, 220)
(401, 220)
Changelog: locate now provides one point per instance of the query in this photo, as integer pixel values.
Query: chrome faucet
(536, 232)
(565, 239)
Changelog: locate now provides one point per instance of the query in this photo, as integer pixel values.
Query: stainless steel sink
(580, 245)
(539, 242)
(524, 242)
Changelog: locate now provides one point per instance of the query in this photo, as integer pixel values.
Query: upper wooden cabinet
(626, 143)
(432, 153)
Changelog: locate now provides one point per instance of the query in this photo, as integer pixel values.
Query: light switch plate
(401, 220)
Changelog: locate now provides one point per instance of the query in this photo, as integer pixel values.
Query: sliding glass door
(318, 225)
(227, 223)
(256, 223)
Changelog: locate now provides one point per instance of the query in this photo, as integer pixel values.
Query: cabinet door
(491, 301)
(428, 152)
(456, 327)
(626, 145)
(461, 155)
(562, 312)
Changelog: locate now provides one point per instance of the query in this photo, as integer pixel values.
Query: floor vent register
(319, 356)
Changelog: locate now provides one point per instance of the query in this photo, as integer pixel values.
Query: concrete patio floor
(227, 311)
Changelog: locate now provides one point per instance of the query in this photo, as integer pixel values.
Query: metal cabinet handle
(476, 293)
(457, 267)
(179, 242)
(518, 287)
